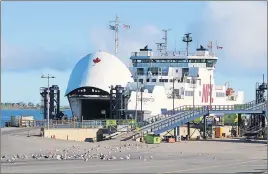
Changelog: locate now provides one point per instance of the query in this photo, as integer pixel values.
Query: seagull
(58, 157)
(13, 159)
(121, 158)
(151, 157)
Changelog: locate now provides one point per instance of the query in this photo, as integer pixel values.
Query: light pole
(141, 89)
(48, 98)
(194, 86)
(173, 95)
(136, 106)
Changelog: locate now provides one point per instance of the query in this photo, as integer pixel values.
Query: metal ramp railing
(181, 118)
(252, 131)
(171, 122)
(217, 108)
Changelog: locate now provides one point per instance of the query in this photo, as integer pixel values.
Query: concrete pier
(230, 156)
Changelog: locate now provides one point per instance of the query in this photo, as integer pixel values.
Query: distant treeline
(22, 105)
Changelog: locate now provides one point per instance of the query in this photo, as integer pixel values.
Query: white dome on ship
(99, 70)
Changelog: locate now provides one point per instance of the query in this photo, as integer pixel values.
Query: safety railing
(170, 113)
(190, 113)
(183, 108)
(172, 121)
(176, 116)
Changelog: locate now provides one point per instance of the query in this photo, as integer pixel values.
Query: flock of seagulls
(96, 152)
(76, 153)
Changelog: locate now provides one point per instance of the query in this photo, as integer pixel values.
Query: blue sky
(50, 37)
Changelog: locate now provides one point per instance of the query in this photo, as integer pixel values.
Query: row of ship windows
(210, 65)
(191, 93)
(175, 61)
(168, 80)
(220, 94)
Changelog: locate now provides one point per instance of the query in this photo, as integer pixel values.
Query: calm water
(6, 114)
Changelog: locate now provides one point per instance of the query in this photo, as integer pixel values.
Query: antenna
(187, 39)
(163, 46)
(165, 38)
(210, 46)
(175, 49)
(115, 28)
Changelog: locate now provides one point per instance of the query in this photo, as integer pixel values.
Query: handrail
(172, 119)
(188, 107)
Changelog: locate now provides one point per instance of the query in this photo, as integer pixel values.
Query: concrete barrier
(73, 134)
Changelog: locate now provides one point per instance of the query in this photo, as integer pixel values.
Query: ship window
(163, 80)
(141, 80)
(147, 80)
(188, 80)
(135, 80)
(154, 70)
(140, 71)
(145, 61)
(189, 93)
(177, 70)
(220, 94)
(170, 80)
(153, 80)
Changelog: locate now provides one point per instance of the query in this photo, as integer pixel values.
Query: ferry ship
(172, 79)
(155, 83)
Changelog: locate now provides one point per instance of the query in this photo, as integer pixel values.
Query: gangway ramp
(252, 131)
(181, 118)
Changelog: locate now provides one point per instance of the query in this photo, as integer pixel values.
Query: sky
(51, 37)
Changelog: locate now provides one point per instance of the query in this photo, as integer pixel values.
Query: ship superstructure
(172, 79)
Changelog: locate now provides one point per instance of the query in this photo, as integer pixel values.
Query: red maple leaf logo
(96, 60)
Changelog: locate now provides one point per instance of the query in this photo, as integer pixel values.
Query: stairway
(182, 116)
(252, 131)
(173, 121)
